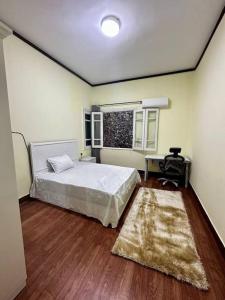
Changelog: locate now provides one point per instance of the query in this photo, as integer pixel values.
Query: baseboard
(24, 198)
(218, 239)
(20, 286)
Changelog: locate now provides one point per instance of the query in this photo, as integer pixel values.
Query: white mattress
(96, 190)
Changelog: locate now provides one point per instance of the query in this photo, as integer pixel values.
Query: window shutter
(97, 129)
(145, 129)
(138, 129)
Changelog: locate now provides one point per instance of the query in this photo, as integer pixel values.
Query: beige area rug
(157, 234)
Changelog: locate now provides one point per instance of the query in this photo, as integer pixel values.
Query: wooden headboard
(40, 152)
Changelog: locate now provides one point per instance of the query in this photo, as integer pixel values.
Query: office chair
(172, 167)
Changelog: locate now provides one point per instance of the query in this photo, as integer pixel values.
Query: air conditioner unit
(162, 102)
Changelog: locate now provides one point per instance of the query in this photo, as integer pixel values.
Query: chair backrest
(173, 157)
(175, 151)
(174, 164)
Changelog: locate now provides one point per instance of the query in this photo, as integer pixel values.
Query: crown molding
(49, 56)
(4, 30)
(125, 79)
(145, 77)
(211, 36)
(173, 72)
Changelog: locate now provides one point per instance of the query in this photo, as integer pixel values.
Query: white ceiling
(156, 36)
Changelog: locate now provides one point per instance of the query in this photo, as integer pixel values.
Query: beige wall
(12, 263)
(208, 131)
(46, 102)
(195, 121)
(173, 121)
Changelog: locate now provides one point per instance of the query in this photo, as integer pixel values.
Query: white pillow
(61, 163)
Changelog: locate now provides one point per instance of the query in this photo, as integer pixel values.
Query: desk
(160, 157)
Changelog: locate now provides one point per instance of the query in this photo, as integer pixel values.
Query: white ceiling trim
(68, 32)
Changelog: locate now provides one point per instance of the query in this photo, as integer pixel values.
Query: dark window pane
(97, 128)
(97, 142)
(88, 130)
(87, 117)
(97, 117)
(88, 143)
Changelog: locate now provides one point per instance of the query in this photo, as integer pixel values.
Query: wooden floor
(68, 257)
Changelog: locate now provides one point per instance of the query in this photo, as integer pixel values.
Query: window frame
(134, 129)
(143, 146)
(86, 112)
(93, 114)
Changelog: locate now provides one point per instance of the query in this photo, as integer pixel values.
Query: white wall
(173, 121)
(208, 131)
(46, 102)
(12, 263)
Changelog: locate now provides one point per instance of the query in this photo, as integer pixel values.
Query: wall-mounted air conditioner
(161, 102)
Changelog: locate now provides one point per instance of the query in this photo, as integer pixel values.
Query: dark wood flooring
(68, 257)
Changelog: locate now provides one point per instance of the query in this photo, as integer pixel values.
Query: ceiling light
(110, 26)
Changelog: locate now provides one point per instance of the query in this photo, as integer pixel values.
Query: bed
(96, 190)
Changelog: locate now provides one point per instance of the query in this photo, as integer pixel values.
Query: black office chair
(172, 167)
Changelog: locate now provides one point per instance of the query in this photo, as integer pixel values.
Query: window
(138, 129)
(151, 129)
(145, 128)
(87, 129)
(97, 129)
(124, 129)
(118, 129)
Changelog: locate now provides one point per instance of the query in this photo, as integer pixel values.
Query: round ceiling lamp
(110, 26)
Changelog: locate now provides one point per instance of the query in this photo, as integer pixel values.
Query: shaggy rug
(157, 234)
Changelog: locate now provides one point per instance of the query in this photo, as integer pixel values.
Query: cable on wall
(21, 134)
(27, 148)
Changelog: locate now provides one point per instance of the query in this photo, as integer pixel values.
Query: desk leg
(187, 175)
(146, 170)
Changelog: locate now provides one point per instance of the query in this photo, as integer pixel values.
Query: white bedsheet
(96, 190)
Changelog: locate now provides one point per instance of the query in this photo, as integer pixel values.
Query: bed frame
(40, 152)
